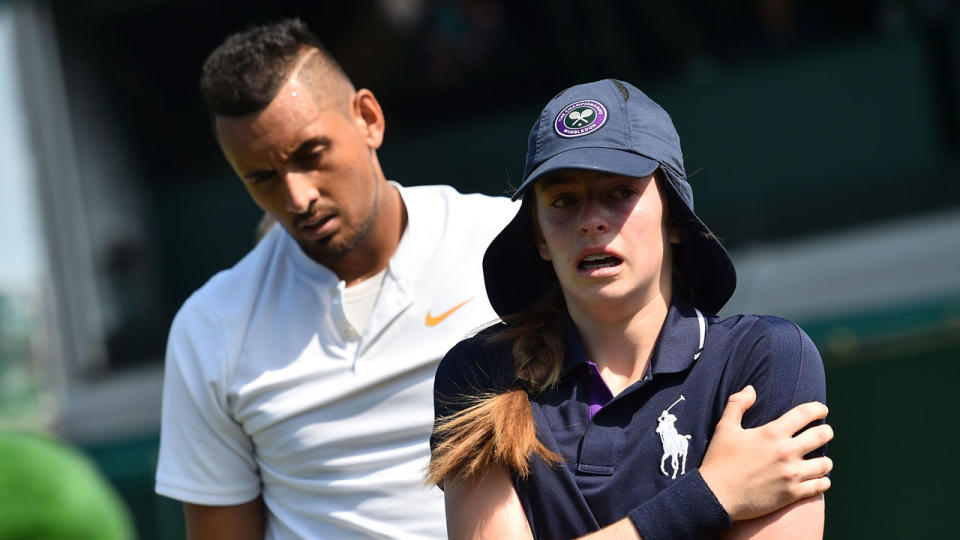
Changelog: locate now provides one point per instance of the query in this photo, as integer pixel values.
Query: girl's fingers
(813, 438)
(796, 418)
(737, 405)
(809, 488)
(811, 469)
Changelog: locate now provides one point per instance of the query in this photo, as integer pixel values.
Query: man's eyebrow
(305, 147)
(259, 175)
(308, 145)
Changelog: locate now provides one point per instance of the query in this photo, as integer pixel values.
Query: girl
(590, 408)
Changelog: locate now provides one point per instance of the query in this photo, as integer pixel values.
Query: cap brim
(607, 160)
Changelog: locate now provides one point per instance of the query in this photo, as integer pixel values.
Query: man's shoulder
(223, 291)
(453, 199)
(470, 217)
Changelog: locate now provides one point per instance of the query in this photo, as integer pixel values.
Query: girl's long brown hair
(498, 429)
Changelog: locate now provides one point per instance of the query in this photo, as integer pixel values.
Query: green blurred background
(823, 140)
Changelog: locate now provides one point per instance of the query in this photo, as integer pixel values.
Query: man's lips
(318, 227)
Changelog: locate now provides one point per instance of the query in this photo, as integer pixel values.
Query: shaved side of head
(245, 73)
(326, 82)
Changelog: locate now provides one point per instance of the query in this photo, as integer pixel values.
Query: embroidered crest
(580, 117)
(674, 444)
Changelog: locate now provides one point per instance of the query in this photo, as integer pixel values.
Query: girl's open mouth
(599, 260)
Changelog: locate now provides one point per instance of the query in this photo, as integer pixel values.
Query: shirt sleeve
(205, 456)
(785, 368)
(470, 369)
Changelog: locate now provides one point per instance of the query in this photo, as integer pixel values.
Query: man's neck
(374, 252)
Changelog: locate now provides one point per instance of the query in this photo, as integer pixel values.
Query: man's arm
(238, 522)
(206, 459)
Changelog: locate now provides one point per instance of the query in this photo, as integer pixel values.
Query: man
(298, 389)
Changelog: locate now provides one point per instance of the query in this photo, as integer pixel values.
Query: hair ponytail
(498, 429)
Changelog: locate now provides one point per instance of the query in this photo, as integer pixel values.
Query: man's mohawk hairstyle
(245, 72)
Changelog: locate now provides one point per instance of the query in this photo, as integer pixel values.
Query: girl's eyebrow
(554, 180)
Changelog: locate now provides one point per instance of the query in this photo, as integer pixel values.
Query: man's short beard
(331, 254)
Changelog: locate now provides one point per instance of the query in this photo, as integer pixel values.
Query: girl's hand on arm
(754, 472)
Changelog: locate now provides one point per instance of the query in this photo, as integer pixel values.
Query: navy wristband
(686, 509)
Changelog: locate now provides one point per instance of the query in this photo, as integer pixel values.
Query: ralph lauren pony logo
(675, 445)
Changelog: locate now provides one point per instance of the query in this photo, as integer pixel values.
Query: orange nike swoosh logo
(433, 321)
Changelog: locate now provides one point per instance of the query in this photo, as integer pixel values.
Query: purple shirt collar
(599, 392)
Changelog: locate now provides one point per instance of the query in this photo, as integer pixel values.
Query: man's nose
(300, 191)
(592, 219)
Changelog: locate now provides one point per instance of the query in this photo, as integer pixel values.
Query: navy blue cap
(613, 127)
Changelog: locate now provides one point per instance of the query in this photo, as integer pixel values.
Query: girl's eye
(562, 201)
(623, 193)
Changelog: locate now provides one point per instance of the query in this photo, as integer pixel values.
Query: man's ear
(369, 117)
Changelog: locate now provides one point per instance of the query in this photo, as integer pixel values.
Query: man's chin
(331, 249)
(325, 251)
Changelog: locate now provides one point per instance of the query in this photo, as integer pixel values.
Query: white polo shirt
(268, 389)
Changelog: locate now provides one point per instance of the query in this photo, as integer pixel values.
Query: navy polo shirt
(637, 456)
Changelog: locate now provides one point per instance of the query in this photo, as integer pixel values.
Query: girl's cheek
(556, 220)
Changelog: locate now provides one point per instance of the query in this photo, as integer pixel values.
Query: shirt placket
(601, 443)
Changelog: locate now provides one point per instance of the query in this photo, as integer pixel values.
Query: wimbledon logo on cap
(580, 117)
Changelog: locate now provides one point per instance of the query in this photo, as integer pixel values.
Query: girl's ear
(541, 245)
(538, 236)
(673, 234)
